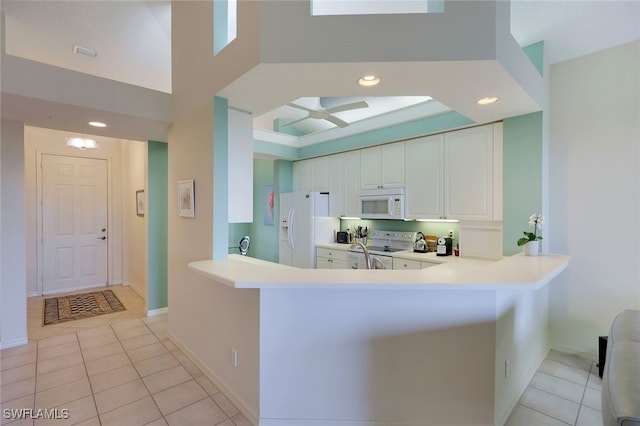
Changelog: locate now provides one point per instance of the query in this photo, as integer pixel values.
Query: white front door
(74, 223)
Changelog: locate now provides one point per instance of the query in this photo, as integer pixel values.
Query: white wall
(594, 186)
(38, 141)
(134, 227)
(13, 300)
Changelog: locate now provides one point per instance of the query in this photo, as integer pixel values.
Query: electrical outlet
(451, 233)
(234, 358)
(507, 368)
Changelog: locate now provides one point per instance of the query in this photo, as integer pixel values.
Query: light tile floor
(120, 369)
(115, 369)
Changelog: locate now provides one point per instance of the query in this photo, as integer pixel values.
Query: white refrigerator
(304, 222)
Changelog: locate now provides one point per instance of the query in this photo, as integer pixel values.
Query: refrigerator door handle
(292, 237)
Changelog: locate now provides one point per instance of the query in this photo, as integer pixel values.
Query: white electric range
(381, 244)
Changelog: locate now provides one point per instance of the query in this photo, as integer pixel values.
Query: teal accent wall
(220, 25)
(535, 52)
(522, 168)
(220, 178)
(264, 236)
(275, 150)
(157, 221)
(236, 232)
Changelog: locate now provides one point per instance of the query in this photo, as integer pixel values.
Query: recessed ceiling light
(369, 80)
(488, 100)
(97, 124)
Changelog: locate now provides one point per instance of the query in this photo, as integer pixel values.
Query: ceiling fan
(326, 114)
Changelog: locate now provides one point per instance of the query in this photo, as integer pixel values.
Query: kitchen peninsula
(453, 344)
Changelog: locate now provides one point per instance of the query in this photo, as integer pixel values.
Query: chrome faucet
(370, 261)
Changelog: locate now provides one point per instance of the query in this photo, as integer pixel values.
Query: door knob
(103, 229)
(102, 238)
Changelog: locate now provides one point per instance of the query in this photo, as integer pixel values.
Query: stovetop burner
(385, 249)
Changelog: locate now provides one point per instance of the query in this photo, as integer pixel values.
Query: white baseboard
(155, 312)
(137, 291)
(591, 356)
(226, 390)
(13, 343)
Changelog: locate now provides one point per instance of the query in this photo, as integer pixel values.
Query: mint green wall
(157, 222)
(522, 168)
(535, 52)
(264, 237)
(220, 178)
(220, 25)
(236, 232)
(275, 150)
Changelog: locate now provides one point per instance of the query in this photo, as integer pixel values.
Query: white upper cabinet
(344, 184)
(456, 175)
(473, 173)
(302, 173)
(320, 174)
(425, 178)
(382, 166)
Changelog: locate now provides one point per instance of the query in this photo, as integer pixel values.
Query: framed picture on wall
(140, 202)
(186, 198)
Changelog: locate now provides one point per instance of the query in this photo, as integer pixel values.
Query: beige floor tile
(594, 382)
(207, 385)
(58, 351)
(128, 333)
(113, 378)
(106, 364)
(22, 422)
(61, 377)
(161, 335)
(16, 374)
(139, 341)
(15, 407)
(170, 345)
(63, 394)
(130, 323)
(524, 416)
(120, 395)
(153, 365)
(564, 371)
(158, 326)
(101, 352)
(139, 412)
(177, 397)
(9, 362)
(146, 352)
(240, 420)
(551, 405)
(191, 368)
(95, 421)
(557, 386)
(17, 390)
(165, 379)
(92, 333)
(160, 422)
(570, 359)
(19, 350)
(227, 406)
(227, 422)
(57, 341)
(59, 363)
(156, 318)
(592, 399)
(76, 411)
(589, 417)
(96, 341)
(200, 413)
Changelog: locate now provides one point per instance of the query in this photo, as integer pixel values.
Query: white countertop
(515, 272)
(431, 257)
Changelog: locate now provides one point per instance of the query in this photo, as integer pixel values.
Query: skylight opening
(225, 23)
(375, 7)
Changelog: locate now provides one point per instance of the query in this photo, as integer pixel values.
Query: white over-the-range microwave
(387, 203)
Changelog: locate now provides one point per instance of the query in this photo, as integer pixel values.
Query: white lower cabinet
(330, 258)
(399, 263)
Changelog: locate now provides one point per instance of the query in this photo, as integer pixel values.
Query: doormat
(78, 306)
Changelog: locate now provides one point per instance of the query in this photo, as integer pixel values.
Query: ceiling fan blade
(293, 122)
(337, 121)
(348, 107)
(301, 107)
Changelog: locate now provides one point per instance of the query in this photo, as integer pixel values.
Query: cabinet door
(392, 165)
(469, 173)
(336, 185)
(323, 263)
(351, 183)
(302, 175)
(424, 174)
(399, 263)
(320, 174)
(370, 168)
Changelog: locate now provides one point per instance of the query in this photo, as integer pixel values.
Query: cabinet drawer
(405, 264)
(332, 254)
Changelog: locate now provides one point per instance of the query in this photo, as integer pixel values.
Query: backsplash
(428, 228)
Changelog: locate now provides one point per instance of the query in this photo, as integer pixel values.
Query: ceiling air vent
(79, 50)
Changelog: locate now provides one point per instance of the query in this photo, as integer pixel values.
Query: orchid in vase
(536, 221)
